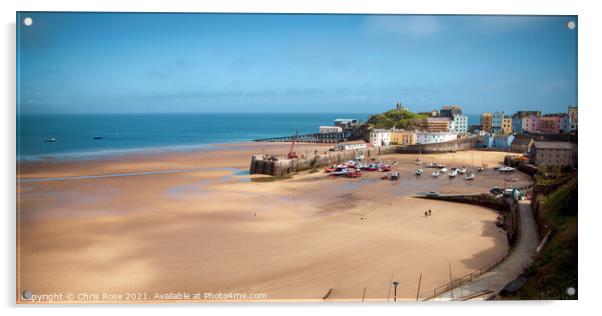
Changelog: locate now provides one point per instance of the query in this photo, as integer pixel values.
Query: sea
(125, 133)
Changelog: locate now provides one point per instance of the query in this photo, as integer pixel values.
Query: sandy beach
(197, 222)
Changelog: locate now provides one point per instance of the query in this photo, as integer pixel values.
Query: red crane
(291, 153)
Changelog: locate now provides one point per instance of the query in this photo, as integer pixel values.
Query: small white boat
(453, 173)
(481, 169)
(435, 174)
(339, 171)
(50, 140)
(469, 175)
(462, 170)
(419, 172)
(443, 170)
(394, 175)
(506, 169)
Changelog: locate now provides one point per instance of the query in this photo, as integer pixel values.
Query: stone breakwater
(281, 166)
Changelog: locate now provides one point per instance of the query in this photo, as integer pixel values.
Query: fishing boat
(97, 137)
(435, 174)
(50, 140)
(372, 167)
(419, 172)
(443, 170)
(481, 169)
(394, 175)
(462, 170)
(385, 168)
(330, 169)
(453, 173)
(340, 171)
(353, 173)
(432, 165)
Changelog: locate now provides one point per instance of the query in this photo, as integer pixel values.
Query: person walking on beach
(430, 212)
(426, 214)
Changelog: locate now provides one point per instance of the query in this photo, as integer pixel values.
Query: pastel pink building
(530, 124)
(551, 124)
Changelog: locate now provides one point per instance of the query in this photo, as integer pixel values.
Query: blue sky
(104, 63)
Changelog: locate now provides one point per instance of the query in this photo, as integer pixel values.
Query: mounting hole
(571, 25)
(27, 21)
(27, 294)
(570, 291)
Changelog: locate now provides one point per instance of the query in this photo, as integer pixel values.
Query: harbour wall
(281, 166)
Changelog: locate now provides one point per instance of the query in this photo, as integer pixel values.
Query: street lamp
(395, 292)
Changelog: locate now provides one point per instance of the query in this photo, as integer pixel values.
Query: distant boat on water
(50, 140)
(97, 137)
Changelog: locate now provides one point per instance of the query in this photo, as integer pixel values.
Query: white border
(589, 99)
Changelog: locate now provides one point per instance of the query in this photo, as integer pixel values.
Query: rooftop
(553, 145)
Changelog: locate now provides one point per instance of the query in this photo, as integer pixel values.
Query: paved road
(509, 269)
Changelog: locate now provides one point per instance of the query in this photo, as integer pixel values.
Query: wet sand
(196, 222)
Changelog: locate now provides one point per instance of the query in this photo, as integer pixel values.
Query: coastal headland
(198, 222)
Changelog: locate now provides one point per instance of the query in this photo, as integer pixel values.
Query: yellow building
(507, 125)
(403, 137)
(486, 121)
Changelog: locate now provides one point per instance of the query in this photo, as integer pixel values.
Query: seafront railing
(425, 296)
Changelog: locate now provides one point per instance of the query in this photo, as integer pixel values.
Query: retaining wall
(507, 207)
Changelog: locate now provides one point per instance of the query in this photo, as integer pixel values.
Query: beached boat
(481, 169)
(453, 173)
(435, 174)
(506, 169)
(340, 171)
(462, 170)
(419, 172)
(469, 175)
(372, 167)
(385, 168)
(395, 175)
(353, 173)
(443, 170)
(331, 168)
(432, 165)
(418, 160)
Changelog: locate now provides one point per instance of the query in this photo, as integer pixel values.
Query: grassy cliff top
(400, 119)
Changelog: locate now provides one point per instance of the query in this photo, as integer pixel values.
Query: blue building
(496, 123)
(517, 123)
(498, 141)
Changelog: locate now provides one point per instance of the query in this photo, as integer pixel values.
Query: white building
(330, 129)
(460, 124)
(434, 137)
(352, 145)
(380, 137)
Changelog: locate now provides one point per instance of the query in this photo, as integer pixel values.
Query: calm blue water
(474, 119)
(125, 132)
